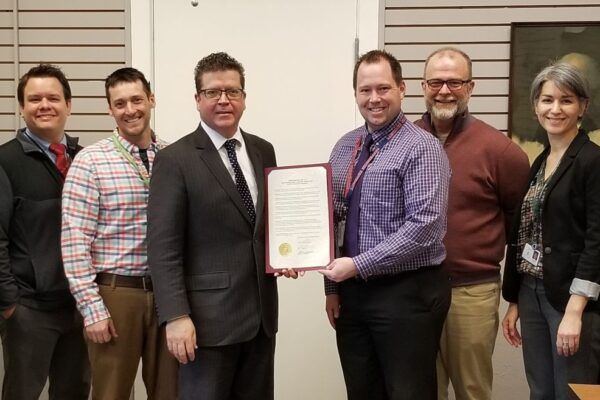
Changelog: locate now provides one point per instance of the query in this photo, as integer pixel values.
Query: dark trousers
(242, 371)
(549, 374)
(388, 334)
(45, 345)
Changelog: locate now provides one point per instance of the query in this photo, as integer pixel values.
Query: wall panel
(87, 40)
(415, 28)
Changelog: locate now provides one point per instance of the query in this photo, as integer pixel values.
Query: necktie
(62, 163)
(240, 181)
(353, 215)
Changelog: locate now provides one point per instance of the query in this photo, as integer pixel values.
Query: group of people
(134, 249)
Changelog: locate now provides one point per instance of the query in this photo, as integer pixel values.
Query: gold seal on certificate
(298, 217)
(285, 249)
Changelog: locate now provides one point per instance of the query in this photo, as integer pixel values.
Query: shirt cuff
(584, 288)
(331, 287)
(96, 312)
(363, 269)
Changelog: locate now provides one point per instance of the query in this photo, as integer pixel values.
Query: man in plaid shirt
(387, 296)
(104, 248)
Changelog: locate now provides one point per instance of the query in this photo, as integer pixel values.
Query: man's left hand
(340, 269)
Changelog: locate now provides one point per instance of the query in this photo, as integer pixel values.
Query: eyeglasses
(217, 93)
(452, 84)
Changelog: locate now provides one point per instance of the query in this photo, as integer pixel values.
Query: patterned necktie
(240, 181)
(62, 163)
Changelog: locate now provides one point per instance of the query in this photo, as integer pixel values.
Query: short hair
(375, 56)
(127, 74)
(565, 76)
(217, 62)
(450, 51)
(43, 71)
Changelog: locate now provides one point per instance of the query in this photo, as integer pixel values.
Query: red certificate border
(268, 267)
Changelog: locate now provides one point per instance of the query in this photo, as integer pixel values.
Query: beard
(446, 112)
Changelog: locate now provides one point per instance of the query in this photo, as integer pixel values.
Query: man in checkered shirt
(387, 296)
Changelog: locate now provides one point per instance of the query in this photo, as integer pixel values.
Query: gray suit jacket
(205, 257)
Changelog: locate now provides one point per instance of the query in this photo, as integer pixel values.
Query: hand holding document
(299, 217)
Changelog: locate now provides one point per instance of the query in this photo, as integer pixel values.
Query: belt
(137, 282)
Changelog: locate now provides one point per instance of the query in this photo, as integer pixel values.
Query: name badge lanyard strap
(127, 156)
(537, 206)
(350, 183)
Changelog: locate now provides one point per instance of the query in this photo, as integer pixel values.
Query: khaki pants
(467, 343)
(115, 364)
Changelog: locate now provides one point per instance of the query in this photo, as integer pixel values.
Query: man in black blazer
(43, 336)
(206, 246)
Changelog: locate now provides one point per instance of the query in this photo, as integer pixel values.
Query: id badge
(531, 255)
(341, 230)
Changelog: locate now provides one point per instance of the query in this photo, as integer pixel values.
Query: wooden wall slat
(6, 54)
(502, 15)
(479, 3)
(80, 71)
(6, 19)
(82, 54)
(87, 138)
(481, 69)
(7, 104)
(479, 51)
(71, 4)
(418, 34)
(88, 88)
(70, 37)
(89, 105)
(7, 88)
(7, 70)
(58, 19)
(88, 122)
(7, 37)
(7, 122)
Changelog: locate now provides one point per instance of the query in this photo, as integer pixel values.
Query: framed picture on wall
(532, 47)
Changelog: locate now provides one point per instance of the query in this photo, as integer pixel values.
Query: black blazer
(205, 257)
(570, 225)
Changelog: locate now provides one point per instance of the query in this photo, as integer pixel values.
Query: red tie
(62, 163)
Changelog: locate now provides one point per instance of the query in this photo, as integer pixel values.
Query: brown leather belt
(137, 282)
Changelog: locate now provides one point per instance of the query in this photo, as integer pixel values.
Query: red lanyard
(351, 183)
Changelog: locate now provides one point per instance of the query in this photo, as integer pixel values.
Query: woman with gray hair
(552, 271)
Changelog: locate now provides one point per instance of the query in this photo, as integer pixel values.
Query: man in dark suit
(43, 336)
(206, 246)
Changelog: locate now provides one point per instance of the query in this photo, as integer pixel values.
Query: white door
(299, 58)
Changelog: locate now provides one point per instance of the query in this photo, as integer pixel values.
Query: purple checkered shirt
(403, 201)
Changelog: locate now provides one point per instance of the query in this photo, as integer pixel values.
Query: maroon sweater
(489, 177)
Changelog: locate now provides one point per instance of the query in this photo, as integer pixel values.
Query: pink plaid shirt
(104, 220)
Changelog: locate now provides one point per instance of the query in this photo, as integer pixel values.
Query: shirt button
(547, 250)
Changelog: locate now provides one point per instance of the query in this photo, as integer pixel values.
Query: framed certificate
(298, 217)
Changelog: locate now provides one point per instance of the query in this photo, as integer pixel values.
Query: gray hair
(565, 76)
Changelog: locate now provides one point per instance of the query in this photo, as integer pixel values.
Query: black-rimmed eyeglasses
(452, 84)
(217, 93)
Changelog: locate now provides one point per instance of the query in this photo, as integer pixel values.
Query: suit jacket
(570, 225)
(205, 257)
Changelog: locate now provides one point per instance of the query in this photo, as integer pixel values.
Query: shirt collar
(459, 124)
(386, 130)
(43, 143)
(132, 148)
(218, 139)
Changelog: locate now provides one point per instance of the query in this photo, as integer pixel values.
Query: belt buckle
(144, 283)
